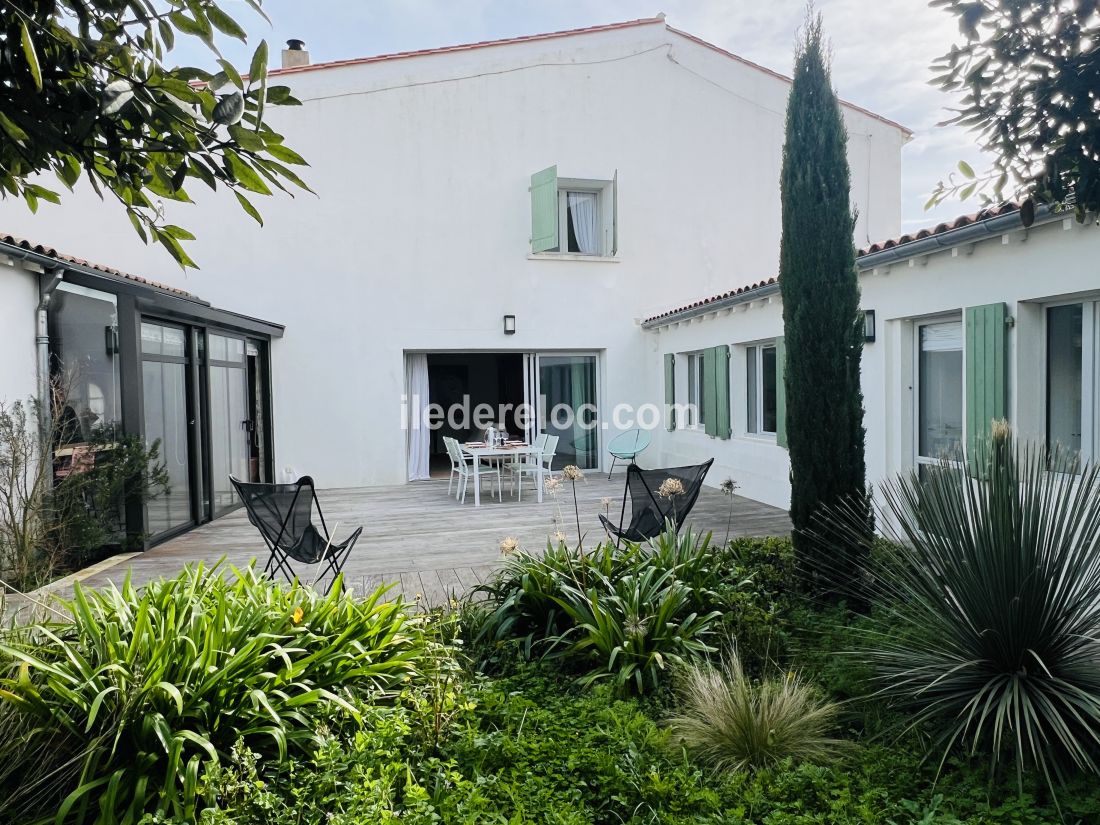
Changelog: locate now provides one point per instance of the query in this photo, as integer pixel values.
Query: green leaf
(44, 193)
(12, 129)
(258, 69)
(247, 206)
(281, 96)
(224, 23)
(245, 175)
(246, 138)
(231, 72)
(285, 154)
(966, 169)
(177, 232)
(167, 33)
(138, 227)
(174, 249)
(186, 25)
(31, 55)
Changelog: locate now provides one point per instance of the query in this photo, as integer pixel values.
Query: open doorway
(466, 381)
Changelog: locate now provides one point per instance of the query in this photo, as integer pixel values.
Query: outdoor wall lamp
(869, 326)
(509, 324)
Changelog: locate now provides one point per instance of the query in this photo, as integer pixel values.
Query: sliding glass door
(164, 367)
(567, 385)
(230, 421)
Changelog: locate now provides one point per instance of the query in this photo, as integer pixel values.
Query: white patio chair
(516, 465)
(531, 468)
(463, 466)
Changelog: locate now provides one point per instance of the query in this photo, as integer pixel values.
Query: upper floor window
(760, 384)
(572, 216)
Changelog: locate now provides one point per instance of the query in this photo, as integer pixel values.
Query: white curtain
(417, 432)
(582, 209)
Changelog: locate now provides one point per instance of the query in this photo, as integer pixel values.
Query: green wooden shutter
(670, 390)
(544, 210)
(986, 367)
(780, 392)
(710, 397)
(716, 388)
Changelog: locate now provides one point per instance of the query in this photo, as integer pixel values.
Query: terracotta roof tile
(947, 226)
(463, 47)
(940, 228)
(50, 252)
(741, 290)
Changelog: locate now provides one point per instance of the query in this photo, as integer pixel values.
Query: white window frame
(695, 414)
(755, 392)
(1090, 373)
(605, 220)
(918, 325)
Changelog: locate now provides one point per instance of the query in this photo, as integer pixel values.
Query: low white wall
(18, 362)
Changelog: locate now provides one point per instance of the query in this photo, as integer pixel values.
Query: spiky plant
(733, 723)
(993, 607)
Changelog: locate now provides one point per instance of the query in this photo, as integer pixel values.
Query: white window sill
(572, 256)
(758, 438)
(692, 428)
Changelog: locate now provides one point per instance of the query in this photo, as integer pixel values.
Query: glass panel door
(940, 392)
(567, 384)
(164, 392)
(230, 423)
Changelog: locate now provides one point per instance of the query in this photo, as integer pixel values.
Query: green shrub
(991, 613)
(732, 723)
(522, 598)
(619, 613)
(532, 748)
(631, 630)
(115, 713)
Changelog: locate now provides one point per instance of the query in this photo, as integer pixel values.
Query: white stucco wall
(1025, 269)
(18, 300)
(418, 236)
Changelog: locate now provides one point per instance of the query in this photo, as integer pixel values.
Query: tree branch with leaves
(1029, 75)
(87, 92)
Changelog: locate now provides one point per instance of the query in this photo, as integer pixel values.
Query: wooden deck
(421, 540)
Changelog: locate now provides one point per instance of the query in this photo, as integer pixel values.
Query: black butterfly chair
(649, 509)
(283, 513)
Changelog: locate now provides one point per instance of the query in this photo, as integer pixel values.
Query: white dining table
(480, 453)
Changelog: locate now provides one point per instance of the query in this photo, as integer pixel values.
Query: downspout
(47, 283)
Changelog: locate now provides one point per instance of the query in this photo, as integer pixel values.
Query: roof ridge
(786, 78)
(462, 47)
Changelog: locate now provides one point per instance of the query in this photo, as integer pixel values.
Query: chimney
(295, 54)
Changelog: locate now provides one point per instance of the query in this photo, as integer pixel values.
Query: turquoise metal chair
(626, 446)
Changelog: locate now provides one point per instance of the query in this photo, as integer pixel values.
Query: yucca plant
(993, 606)
(732, 723)
(632, 630)
(114, 714)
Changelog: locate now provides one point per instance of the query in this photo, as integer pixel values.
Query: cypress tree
(822, 324)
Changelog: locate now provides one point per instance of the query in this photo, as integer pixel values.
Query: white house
(976, 319)
(495, 218)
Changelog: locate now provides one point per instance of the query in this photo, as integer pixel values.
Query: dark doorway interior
(495, 379)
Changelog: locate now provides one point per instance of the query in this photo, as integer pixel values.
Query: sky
(881, 50)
